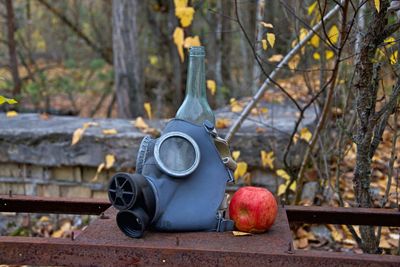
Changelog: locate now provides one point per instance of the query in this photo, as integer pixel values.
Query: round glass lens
(177, 154)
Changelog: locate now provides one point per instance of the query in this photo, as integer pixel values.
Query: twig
(327, 104)
(246, 111)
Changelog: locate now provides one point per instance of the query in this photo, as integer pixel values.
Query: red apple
(253, 209)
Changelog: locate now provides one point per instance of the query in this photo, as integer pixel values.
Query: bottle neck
(196, 84)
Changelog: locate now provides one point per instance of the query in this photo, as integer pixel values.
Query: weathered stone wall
(36, 156)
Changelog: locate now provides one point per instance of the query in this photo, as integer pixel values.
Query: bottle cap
(197, 51)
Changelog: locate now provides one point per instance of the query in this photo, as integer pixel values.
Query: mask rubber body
(188, 203)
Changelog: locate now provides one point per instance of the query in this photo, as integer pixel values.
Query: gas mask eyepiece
(177, 154)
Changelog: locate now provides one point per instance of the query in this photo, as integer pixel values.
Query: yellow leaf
(390, 41)
(377, 4)
(77, 135)
(329, 54)
(294, 62)
(178, 37)
(153, 60)
(281, 189)
(222, 123)
(333, 34)
(180, 3)
(191, 41)
(185, 14)
(110, 159)
(141, 124)
(315, 41)
(283, 174)
(240, 170)
(303, 34)
(8, 100)
(267, 159)
(295, 138)
(11, 114)
(235, 154)
(275, 58)
(147, 107)
(312, 7)
(235, 106)
(271, 39)
(393, 57)
(239, 233)
(99, 169)
(267, 25)
(264, 44)
(305, 134)
(292, 186)
(211, 85)
(316, 56)
(110, 131)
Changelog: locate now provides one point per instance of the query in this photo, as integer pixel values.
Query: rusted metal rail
(311, 214)
(102, 244)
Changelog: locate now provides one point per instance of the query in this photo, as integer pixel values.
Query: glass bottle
(195, 107)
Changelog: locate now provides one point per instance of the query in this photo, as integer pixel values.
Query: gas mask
(179, 183)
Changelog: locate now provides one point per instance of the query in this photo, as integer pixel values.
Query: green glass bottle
(195, 107)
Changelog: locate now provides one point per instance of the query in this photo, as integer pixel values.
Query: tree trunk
(370, 123)
(12, 52)
(128, 70)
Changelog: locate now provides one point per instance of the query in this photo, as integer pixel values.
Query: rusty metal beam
(31, 204)
(48, 251)
(337, 215)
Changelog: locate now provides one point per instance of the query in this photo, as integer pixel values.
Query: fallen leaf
(44, 116)
(235, 106)
(305, 134)
(185, 15)
(11, 114)
(140, 123)
(283, 174)
(212, 86)
(99, 169)
(393, 57)
(239, 233)
(311, 8)
(294, 62)
(222, 123)
(329, 54)
(147, 108)
(191, 41)
(281, 189)
(333, 34)
(267, 159)
(315, 41)
(240, 170)
(267, 25)
(275, 58)
(7, 100)
(178, 37)
(271, 39)
(264, 44)
(316, 56)
(77, 136)
(235, 154)
(377, 4)
(302, 243)
(110, 131)
(110, 160)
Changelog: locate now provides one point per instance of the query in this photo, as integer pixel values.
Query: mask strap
(225, 153)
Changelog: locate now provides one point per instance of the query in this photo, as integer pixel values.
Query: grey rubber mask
(179, 184)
